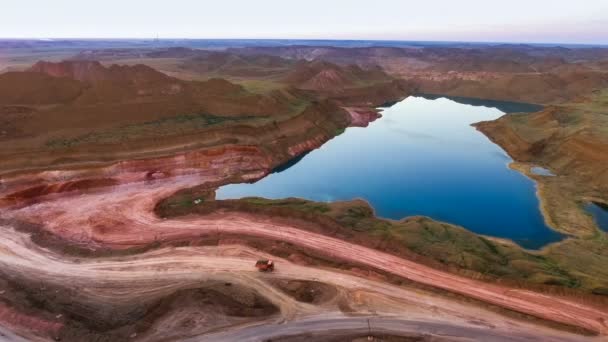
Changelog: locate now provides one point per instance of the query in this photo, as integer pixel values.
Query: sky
(530, 21)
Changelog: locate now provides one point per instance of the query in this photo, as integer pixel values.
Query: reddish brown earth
(207, 63)
(117, 214)
(505, 72)
(234, 161)
(17, 320)
(94, 72)
(558, 87)
(122, 217)
(324, 76)
(508, 72)
(106, 172)
(361, 117)
(142, 84)
(72, 112)
(29, 88)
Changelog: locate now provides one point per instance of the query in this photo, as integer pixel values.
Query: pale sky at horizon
(533, 21)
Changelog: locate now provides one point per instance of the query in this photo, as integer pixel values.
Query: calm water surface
(421, 158)
(600, 213)
(541, 171)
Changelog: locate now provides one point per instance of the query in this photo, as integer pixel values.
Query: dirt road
(122, 216)
(317, 327)
(139, 278)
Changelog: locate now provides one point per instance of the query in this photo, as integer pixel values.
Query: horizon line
(310, 39)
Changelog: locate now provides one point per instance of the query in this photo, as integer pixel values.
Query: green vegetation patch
(180, 124)
(259, 86)
(290, 203)
(573, 264)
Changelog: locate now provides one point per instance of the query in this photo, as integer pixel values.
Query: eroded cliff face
(361, 117)
(239, 162)
(249, 155)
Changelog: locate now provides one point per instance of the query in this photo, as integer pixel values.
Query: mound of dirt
(311, 292)
(32, 88)
(325, 76)
(79, 318)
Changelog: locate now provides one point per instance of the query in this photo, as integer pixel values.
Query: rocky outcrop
(361, 117)
(219, 163)
(13, 318)
(246, 153)
(328, 77)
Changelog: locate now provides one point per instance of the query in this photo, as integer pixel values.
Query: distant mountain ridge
(95, 72)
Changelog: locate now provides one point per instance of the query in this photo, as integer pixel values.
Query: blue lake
(541, 171)
(421, 158)
(600, 213)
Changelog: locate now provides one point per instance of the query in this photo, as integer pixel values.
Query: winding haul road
(352, 326)
(122, 216)
(131, 279)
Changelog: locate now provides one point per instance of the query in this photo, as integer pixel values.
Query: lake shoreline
(407, 178)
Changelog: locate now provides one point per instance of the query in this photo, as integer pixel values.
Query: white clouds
(515, 20)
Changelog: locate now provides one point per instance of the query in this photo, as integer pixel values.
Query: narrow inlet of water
(599, 212)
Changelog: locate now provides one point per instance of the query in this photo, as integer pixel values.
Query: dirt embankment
(168, 298)
(306, 291)
(61, 313)
(436, 244)
(250, 160)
